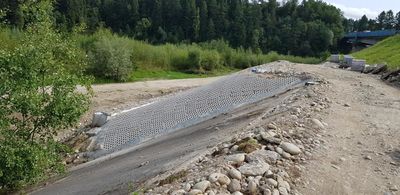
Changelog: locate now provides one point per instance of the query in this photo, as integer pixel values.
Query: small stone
(279, 150)
(234, 186)
(269, 174)
(284, 184)
(267, 192)
(187, 187)
(252, 187)
(290, 148)
(394, 188)
(178, 192)
(268, 134)
(271, 182)
(254, 168)
(346, 105)
(283, 191)
(235, 174)
(211, 193)
(317, 123)
(368, 158)
(202, 186)
(224, 180)
(213, 177)
(237, 193)
(266, 155)
(286, 155)
(234, 148)
(235, 158)
(195, 192)
(272, 126)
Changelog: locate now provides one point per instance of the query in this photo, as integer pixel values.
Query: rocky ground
(338, 136)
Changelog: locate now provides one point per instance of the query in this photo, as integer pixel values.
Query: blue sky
(371, 8)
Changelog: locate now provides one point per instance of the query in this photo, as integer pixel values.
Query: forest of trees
(385, 20)
(307, 28)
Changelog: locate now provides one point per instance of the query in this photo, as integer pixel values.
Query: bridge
(367, 38)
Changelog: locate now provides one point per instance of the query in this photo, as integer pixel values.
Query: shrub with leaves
(110, 58)
(38, 97)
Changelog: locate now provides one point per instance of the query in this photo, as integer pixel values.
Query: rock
(202, 186)
(346, 105)
(284, 184)
(393, 188)
(211, 193)
(234, 186)
(254, 168)
(272, 140)
(237, 193)
(275, 192)
(235, 158)
(269, 174)
(224, 180)
(286, 155)
(266, 155)
(290, 148)
(178, 192)
(235, 174)
(234, 148)
(283, 191)
(187, 187)
(252, 187)
(379, 69)
(279, 150)
(268, 134)
(271, 182)
(368, 158)
(317, 123)
(213, 177)
(195, 192)
(267, 192)
(272, 126)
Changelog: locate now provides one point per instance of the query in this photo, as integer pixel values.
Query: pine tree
(203, 21)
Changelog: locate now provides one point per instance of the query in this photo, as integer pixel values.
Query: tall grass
(168, 60)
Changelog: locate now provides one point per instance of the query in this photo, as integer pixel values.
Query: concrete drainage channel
(189, 108)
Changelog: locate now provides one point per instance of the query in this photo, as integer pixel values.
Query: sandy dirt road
(362, 153)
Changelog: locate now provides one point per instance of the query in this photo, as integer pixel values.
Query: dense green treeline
(385, 20)
(309, 28)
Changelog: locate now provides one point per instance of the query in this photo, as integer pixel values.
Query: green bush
(110, 58)
(210, 60)
(38, 97)
(24, 162)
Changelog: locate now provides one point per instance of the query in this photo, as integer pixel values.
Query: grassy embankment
(386, 52)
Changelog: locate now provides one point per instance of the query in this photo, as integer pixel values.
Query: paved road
(117, 175)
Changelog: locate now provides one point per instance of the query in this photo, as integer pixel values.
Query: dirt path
(356, 151)
(362, 149)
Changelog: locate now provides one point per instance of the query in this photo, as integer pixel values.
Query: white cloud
(356, 13)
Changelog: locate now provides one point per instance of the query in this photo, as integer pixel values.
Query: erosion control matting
(189, 108)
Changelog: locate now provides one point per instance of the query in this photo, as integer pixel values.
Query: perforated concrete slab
(189, 108)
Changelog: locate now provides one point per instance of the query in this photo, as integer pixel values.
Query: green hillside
(386, 51)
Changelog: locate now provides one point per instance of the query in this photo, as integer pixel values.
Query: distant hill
(386, 51)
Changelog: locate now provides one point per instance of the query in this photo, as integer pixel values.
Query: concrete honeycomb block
(358, 65)
(335, 58)
(188, 108)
